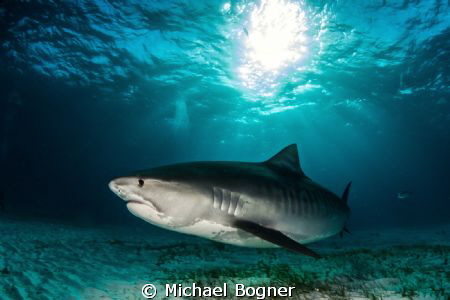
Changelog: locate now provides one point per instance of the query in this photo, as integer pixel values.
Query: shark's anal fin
(274, 237)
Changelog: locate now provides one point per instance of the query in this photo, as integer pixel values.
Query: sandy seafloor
(44, 260)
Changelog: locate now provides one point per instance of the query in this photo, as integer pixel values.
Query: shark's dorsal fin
(287, 159)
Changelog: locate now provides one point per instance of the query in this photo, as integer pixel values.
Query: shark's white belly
(231, 235)
(224, 234)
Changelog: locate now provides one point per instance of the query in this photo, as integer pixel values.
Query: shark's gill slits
(226, 201)
(239, 207)
(233, 203)
(226, 195)
(217, 197)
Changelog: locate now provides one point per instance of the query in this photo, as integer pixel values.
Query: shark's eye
(141, 182)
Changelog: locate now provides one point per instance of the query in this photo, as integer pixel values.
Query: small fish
(246, 31)
(403, 195)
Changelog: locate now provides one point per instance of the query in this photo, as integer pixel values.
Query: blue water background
(91, 90)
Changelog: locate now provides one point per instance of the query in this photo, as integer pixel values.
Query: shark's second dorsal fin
(287, 159)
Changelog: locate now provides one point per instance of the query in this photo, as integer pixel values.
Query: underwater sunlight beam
(274, 40)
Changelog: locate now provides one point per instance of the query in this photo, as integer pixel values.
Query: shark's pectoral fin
(274, 237)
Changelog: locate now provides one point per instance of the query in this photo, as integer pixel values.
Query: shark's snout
(118, 188)
(112, 186)
(126, 189)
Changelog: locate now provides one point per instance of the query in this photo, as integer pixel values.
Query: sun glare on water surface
(274, 40)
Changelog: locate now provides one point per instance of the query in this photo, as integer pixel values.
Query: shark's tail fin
(346, 192)
(345, 199)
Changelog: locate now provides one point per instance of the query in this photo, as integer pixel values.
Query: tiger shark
(263, 204)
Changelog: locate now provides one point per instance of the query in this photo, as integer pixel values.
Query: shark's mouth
(134, 201)
(150, 204)
(148, 212)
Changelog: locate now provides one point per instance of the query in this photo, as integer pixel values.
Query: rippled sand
(41, 260)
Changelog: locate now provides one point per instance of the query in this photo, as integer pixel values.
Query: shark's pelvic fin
(346, 192)
(275, 237)
(287, 159)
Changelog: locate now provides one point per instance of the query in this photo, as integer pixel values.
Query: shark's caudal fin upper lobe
(346, 192)
(345, 199)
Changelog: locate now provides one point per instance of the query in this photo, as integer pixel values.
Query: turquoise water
(105, 88)
(96, 89)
